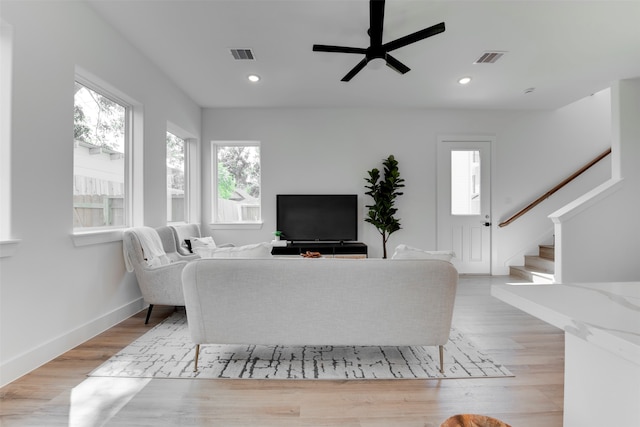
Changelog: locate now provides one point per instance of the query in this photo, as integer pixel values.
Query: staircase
(537, 268)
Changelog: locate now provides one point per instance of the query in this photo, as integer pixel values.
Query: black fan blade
(397, 65)
(376, 19)
(339, 49)
(412, 38)
(355, 70)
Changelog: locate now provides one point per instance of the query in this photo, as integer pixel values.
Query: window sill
(236, 226)
(87, 238)
(8, 248)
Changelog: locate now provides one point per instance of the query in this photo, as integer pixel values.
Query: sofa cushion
(257, 250)
(408, 252)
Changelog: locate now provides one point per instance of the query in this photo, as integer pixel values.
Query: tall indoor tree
(384, 190)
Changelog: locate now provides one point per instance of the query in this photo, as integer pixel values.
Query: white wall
(330, 150)
(54, 295)
(599, 234)
(540, 150)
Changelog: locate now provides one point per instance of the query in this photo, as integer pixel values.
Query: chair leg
(195, 361)
(441, 348)
(148, 314)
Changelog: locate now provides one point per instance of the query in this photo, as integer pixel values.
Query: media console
(328, 249)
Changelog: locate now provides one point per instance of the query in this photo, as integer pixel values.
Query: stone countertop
(605, 314)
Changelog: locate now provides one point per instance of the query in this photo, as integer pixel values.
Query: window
(236, 167)
(176, 203)
(100, 160)
(465, 182)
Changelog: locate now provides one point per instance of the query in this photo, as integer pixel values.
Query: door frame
(470, 138)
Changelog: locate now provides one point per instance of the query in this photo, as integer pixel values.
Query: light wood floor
(61, 394)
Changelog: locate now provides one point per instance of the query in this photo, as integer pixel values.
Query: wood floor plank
(60, 393)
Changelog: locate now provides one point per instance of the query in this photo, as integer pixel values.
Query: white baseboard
(26, 362)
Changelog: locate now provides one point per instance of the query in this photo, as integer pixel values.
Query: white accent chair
(183, 232)
(172, 244)
(159, 277)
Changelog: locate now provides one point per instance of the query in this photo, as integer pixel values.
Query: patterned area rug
(166, 351)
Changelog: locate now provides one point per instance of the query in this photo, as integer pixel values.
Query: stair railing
(554, 189)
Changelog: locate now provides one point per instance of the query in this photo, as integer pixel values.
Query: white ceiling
(566, 50)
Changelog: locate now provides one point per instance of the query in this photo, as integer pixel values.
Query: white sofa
(319, 301)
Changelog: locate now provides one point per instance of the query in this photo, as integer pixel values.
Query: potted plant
(277, 235)
(384, 190)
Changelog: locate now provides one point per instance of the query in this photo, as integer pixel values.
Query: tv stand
(327, 249)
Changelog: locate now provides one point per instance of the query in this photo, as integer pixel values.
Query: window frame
(213, 220)
(8, 245)
(185, 214)
(133, 169)
(191, 176)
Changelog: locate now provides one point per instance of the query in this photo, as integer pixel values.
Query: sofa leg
(441, 348)
(195, 361)
(148, 314)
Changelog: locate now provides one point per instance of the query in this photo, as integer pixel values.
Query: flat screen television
(318, 217)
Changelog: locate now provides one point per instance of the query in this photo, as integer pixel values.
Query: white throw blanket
(152, 249)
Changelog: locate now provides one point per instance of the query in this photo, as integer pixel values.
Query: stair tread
(539, 263)
(533, 271)
(538, 257)
(537, 268)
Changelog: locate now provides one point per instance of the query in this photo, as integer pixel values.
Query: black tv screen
(318, 217)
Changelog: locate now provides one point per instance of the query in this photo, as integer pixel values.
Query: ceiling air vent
(489, 57)
(242, 54)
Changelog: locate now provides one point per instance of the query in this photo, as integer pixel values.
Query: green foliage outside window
(226, 182)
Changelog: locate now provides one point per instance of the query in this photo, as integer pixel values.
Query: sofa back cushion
(257, 250)
(408, 252)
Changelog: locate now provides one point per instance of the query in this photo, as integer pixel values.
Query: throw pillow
(257, 250)
(202, 242)
(408, 252)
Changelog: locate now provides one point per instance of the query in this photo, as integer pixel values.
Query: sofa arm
(177, 257)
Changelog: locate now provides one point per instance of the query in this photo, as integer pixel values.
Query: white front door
(464, 202)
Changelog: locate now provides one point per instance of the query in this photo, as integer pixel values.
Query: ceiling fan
(376, 49)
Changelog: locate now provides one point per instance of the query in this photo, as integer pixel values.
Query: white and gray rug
(166, 351)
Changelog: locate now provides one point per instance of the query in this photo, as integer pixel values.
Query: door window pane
(465, 182)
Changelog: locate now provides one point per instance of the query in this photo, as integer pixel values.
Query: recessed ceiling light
(253, 78)
(464, 80)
